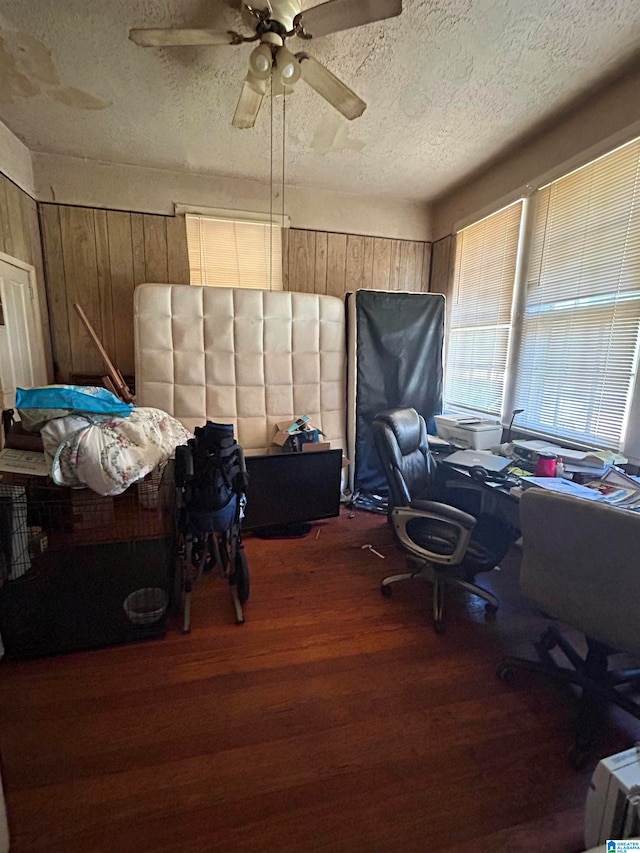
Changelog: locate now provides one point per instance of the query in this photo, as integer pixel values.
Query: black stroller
(211, 480)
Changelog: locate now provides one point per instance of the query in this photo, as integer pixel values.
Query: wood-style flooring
(333, 720)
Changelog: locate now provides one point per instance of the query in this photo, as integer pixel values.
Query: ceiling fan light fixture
(289, 70)
(261, 61)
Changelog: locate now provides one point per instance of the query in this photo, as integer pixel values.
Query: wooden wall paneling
(36, 260)
(177, 253)
(394, 265)
(354, 272)
(367, 262)
(320, 267)
(426, 267)
(17, 242)
(381, 273)
(302, 250)
(285, 258)
(409, 269)
(56, 290)
(442, 270)
(155, 248)
(417, 250)
(105, 296)
(137, 241)
(77, 229)
(121, 267)
(337, 264)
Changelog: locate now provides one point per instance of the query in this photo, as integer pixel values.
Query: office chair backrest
(401, 440)
(581, 563)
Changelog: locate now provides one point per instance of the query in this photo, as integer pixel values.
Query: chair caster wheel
(385, 590)
(576, 757)
(439, 627)
(507, 674)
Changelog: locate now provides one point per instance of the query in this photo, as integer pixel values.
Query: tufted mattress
(252, 358)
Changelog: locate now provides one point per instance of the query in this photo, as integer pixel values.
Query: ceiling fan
(273, 22)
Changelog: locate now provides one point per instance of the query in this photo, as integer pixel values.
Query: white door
(22, 361)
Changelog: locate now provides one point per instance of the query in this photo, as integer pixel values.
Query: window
(234, 253)
(575, 335)
(480, 319)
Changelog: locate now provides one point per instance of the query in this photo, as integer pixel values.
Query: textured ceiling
(448, 83)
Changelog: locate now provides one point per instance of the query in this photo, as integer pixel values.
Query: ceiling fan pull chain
(271, 187)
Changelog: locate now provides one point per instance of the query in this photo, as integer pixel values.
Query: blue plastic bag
(73, 398)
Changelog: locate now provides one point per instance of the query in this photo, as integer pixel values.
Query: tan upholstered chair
(581, 564)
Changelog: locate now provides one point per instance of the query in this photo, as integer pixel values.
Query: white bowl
(146, 606)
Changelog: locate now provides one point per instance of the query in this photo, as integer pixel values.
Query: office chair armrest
(444, 512)
(458, 523)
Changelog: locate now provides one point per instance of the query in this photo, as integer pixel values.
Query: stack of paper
(561, 486)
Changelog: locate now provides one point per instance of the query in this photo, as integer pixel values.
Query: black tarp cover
(399, 339)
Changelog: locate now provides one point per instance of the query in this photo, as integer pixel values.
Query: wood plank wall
(321, 262)
(20, 238)
(97, 257)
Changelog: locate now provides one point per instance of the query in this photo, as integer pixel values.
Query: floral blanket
(108, 453)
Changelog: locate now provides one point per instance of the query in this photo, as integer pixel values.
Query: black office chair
(430, 516)
(580, 565)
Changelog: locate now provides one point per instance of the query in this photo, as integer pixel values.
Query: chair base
(598, 684)
(439, 580)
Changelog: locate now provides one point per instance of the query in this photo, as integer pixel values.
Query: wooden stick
(119, 386)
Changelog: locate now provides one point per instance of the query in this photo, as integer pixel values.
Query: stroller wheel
(242, 575)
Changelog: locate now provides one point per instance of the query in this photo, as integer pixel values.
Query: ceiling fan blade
(177, 38)
(326, 84)
(335, 15)
(249, 104)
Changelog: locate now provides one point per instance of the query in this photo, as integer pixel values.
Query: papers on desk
(562, 487)
(24, 462)
(614, 488)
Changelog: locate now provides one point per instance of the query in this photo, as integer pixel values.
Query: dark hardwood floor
(334, 719)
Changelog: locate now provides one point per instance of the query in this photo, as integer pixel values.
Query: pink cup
(546, 465)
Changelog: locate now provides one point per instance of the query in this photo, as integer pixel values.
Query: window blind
(579, 342)
(232, 253)
(482, 295)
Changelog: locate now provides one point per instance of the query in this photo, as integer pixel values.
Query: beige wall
(70, 180)
(609, 117)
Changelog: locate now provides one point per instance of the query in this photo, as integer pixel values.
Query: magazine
(617, 488)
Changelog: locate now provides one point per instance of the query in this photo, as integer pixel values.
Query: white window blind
(232, 253)
(578, 355)
(480, 318)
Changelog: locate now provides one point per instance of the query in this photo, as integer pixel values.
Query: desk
(497, 498)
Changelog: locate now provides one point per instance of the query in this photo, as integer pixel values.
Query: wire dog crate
(81, 570)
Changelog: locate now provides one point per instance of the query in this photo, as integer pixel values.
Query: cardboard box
(286, 430)
(317, 445)
(296, 435)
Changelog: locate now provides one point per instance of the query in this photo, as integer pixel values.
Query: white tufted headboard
(247, 357)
